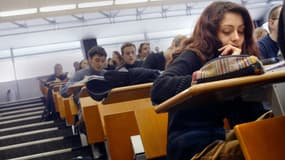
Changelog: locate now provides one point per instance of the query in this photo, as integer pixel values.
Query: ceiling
(78, 17)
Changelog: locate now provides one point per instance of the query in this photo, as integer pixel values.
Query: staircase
(23, 134)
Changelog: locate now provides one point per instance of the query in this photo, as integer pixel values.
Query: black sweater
(175, 79)
(188, 121)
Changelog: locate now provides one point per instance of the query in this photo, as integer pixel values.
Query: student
(268, 45)
(128, 51)
(144, 51)
(110, 64)
(97, 57)
(76, 66)
(117, 59)
(160, 60)
(83, 64)
(58, 74)
(224, 28)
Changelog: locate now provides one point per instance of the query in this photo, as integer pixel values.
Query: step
(39, 146)
(63, 154)
(22, 121)
(80, 152)
(31, 127)
(22, 115)
(19, 102)
(22, 111)
(34, 135)
(21, 107)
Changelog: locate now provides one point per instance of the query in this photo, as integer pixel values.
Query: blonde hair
(260, 32)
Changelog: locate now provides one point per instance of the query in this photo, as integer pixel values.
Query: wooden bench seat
(119, 122)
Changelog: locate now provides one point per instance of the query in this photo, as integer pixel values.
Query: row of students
(224, 28)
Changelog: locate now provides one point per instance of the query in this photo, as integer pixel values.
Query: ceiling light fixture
(95, 4)
(18, 12)
(57, 8)
(120, 2)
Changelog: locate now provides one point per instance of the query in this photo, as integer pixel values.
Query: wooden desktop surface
(220, 90)
(127, 93)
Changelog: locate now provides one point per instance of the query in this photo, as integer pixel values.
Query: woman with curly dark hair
(224, 28)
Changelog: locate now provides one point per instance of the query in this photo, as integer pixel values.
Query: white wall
(110, 36)
(99, 31)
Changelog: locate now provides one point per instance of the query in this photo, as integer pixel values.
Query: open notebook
(87, 78)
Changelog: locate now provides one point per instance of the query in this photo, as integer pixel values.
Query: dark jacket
(155, 61)
(267, 47)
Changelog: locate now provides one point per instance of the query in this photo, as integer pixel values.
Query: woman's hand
(229, 50)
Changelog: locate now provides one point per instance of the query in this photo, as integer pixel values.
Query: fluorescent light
(155, 0)
(95, 4)
(129, 1)
(57, 8)
(18, 12)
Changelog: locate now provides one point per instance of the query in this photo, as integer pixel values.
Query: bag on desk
(228, 67)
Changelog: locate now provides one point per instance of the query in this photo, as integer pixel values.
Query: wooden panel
(60, 103)
(70, 107)
(92, 120)
(70, 110)
(262, 140)
(153, 130)
(219, 90)
(55, 100)
(128, 93)
(119, 128)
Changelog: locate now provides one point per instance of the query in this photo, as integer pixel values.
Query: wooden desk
(220, 90)
(127, 111)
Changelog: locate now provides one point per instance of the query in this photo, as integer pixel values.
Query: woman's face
(84, 64)
(231, 30)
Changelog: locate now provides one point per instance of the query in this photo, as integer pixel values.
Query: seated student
(128, 51)
(110, 64)
(160, 60)
(57, 76)
(268, 45)
(97, 57)
(76, 66)
(83, 64)
(117, 59)
(224, 28)
(144, 51)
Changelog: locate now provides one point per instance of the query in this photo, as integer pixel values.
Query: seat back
(262, 140)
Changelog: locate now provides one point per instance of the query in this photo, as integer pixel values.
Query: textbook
(85, 79)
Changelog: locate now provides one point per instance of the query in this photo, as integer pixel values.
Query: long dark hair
(204, 40)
